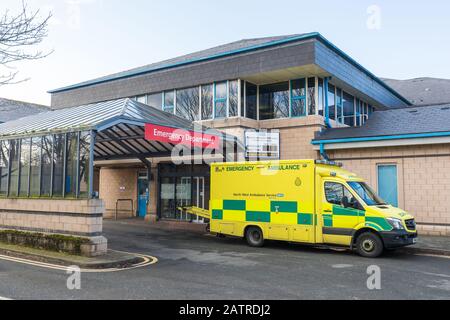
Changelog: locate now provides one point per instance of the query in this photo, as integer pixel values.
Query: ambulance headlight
(397, 224)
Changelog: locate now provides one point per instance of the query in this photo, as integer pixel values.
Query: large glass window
(58, 164)
(220, 103)
(47, 143)
(349, 109)
(4, 167)
(311, 96)
(251, 100)
(24, 166)
(332, 102)
(35, 183)
(155, 100)
(71, 166)
(298, 94)
(141, 99)
(169, 101)
(85, 142)
(233, 88)
(321, 102)
(242, 98)
(188, 104)
(274, 101)
(207, 102)
(14, 178)
(339, 106)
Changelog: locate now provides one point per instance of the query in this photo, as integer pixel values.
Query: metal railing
(123, 200)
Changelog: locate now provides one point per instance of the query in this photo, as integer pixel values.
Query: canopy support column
(91, 164)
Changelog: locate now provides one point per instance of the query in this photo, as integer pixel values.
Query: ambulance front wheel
(369, 245)
(254, 237)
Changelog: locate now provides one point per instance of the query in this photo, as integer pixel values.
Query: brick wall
(81, 218)
(119, 183)
(423, 175)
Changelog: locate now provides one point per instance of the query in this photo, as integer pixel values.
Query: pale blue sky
(93, 38)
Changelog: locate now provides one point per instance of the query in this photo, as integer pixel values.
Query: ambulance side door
(341, 212)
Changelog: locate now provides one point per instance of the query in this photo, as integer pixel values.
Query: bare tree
(18, 33)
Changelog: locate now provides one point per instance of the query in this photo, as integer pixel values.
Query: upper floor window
(321, 95)
(220, 100)
(233, 97)
(251, 100)
(155, 100)
(188, 104)
(349, 109)
(311, 96)
(207, 101)
(298, 98)
(141, 99)
(169, 101)
(274, 101)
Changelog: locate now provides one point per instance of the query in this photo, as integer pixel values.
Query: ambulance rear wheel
(369, 245)
(254, 237)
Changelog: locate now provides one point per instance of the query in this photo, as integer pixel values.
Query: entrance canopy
(58, 148)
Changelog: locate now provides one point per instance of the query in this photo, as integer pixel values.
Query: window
(242, 83)
(233, 91)
(338, 194)
(220, 100)
(321, 102)
(366, 193)
(274, 101)
(14, 176)
(311, 96)
(71, 165)
(24, 166)
(35, 183)
(4, 167)
(188, 104)
(169, 101)
(251, 100)
(349, 109)
(155, 100)
(58, 164)
(298, 95)
(141, 99)
(388, 184)
(207, 102)
(47, 143)
(85, 142)
(332, 102)
(339, 106)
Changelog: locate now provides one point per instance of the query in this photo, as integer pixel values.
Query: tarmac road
(199, 266)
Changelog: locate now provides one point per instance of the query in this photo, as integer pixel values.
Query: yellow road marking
(148, 260)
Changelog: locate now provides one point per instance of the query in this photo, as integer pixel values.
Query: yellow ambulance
(304, 201)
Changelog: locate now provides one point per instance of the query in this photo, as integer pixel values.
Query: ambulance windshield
(366, 193)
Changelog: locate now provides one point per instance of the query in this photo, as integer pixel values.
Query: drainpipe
(327, 108)
(323, 153)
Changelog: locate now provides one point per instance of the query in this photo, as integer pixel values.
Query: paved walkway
(432, 245)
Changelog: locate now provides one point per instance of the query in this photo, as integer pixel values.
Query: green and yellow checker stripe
(279, 212)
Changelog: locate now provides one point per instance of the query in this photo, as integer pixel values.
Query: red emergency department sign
(180, 136)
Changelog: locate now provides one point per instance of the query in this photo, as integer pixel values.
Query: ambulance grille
(411, 224)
